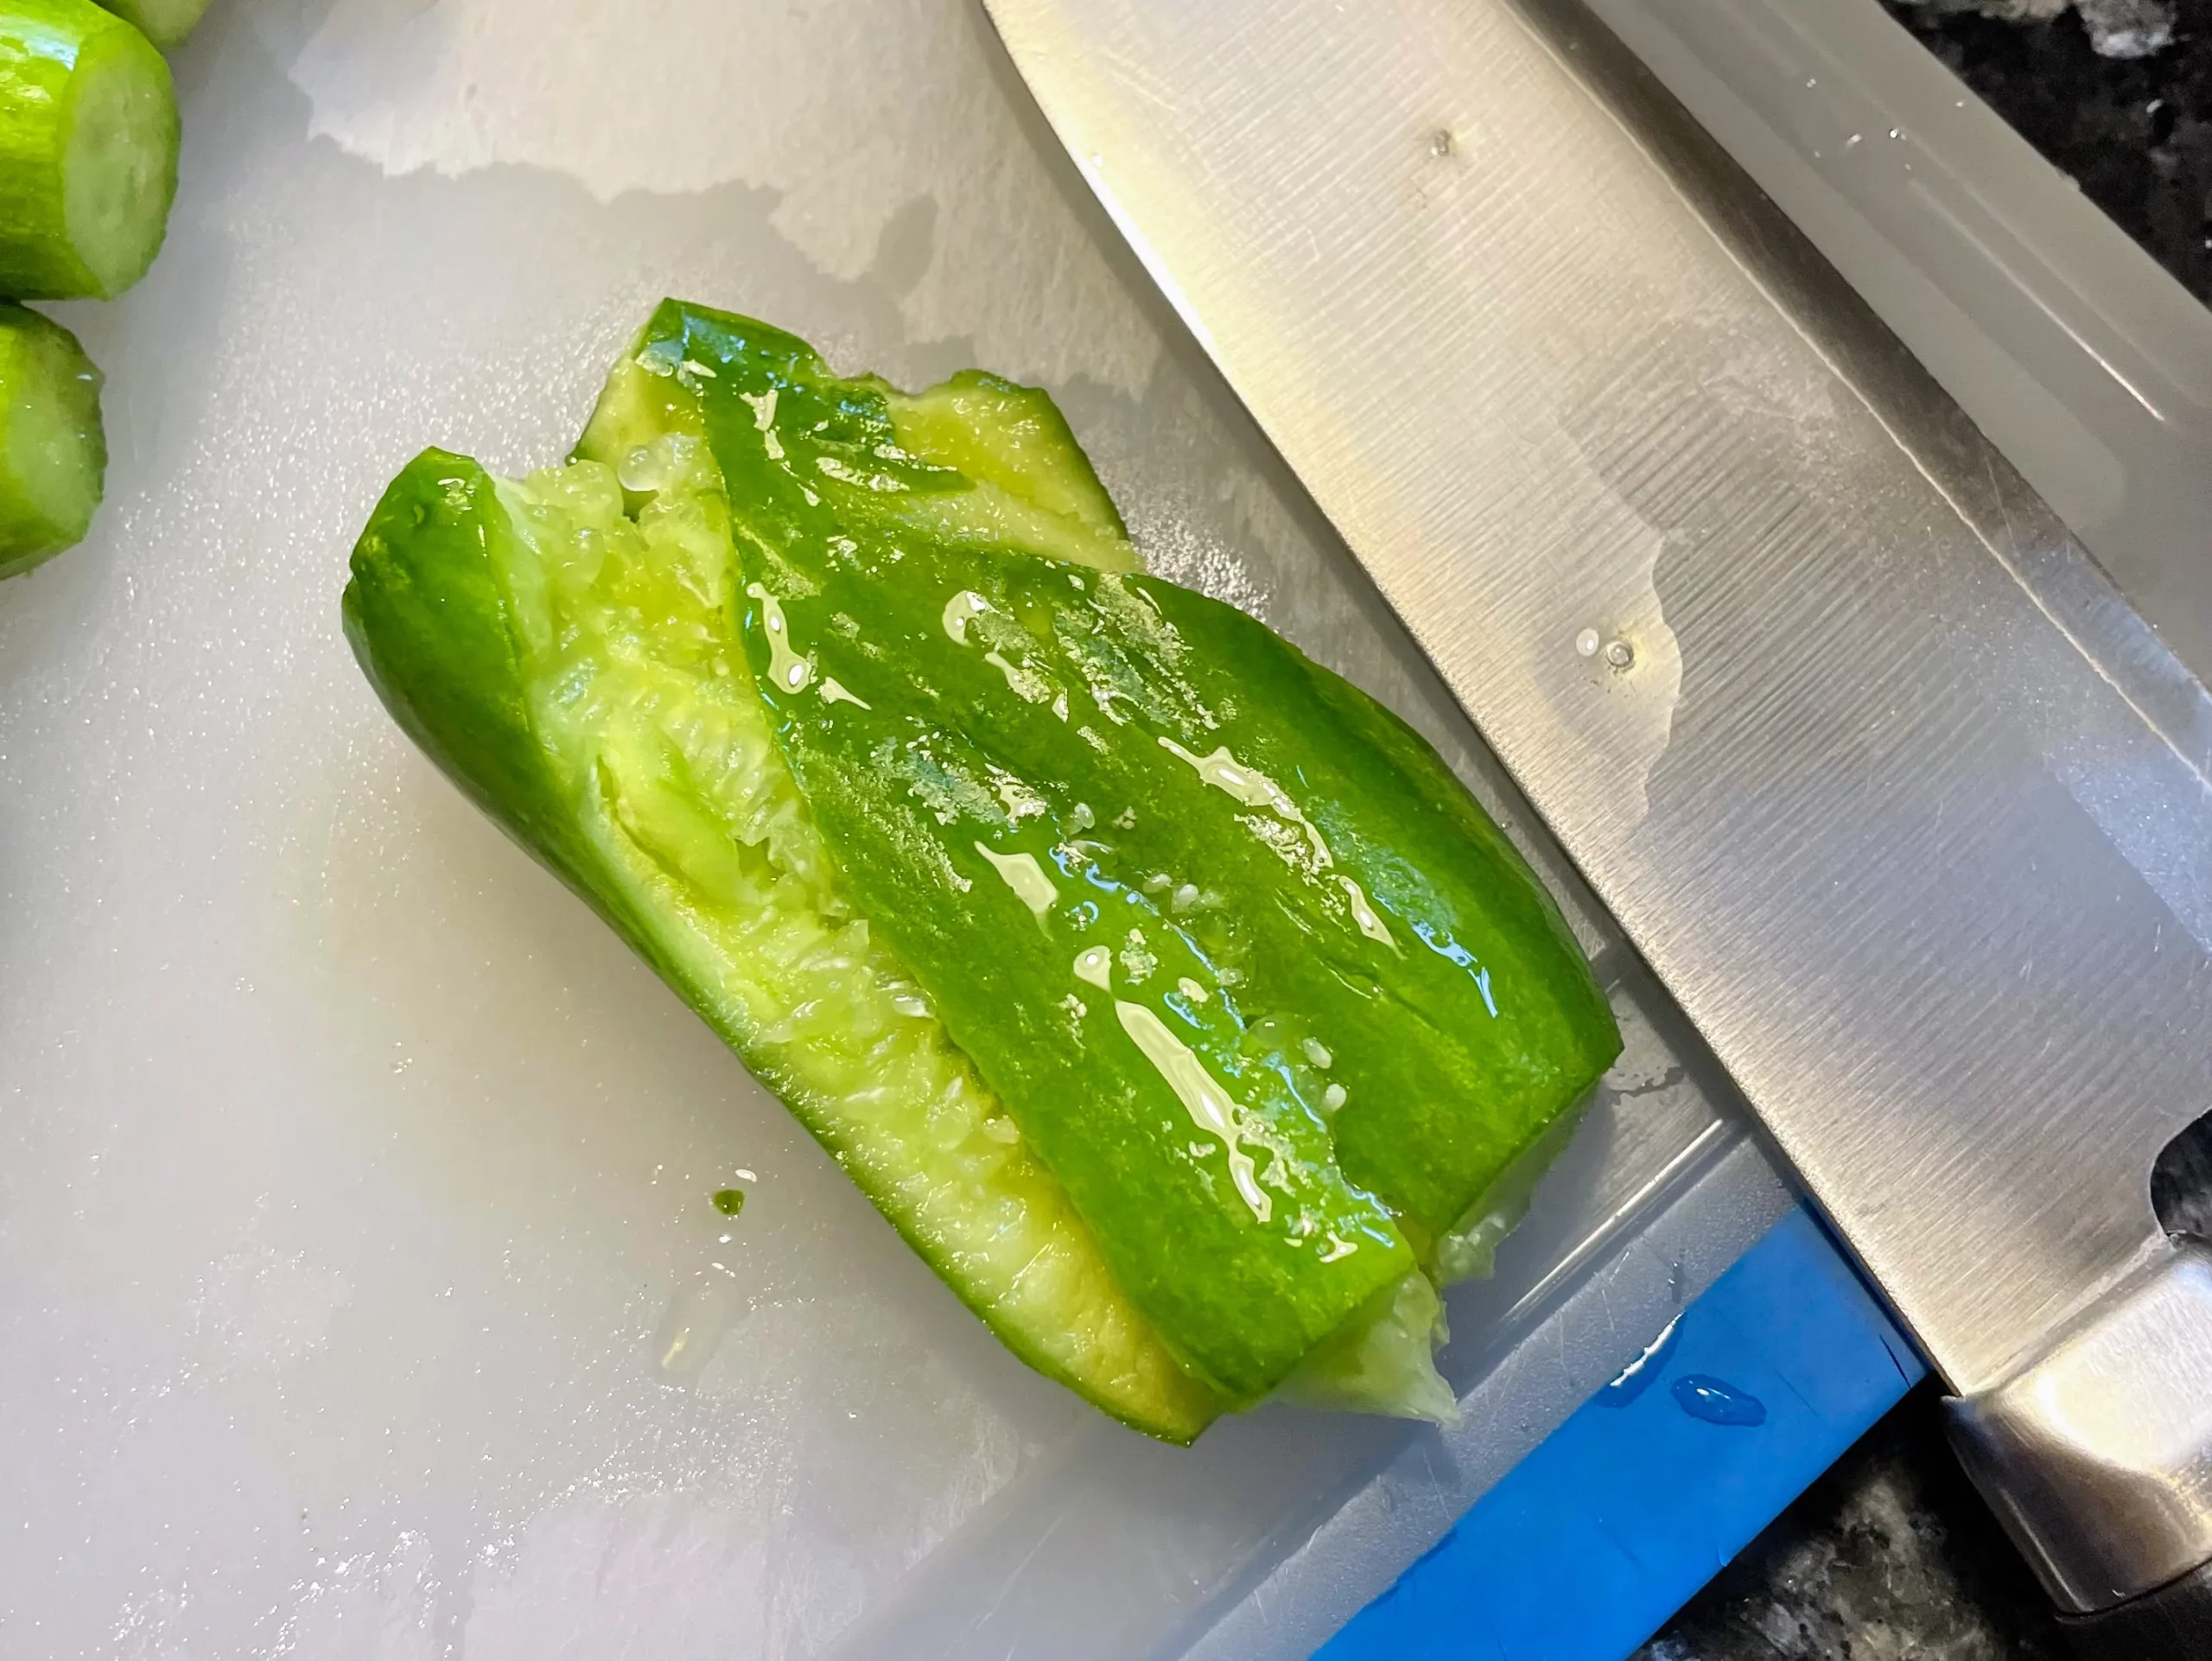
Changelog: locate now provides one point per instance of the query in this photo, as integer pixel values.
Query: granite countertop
(1889, 1558)
(2122, 102)
(1892, 1555)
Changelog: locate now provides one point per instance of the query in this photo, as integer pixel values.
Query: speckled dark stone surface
(1893, 1556)
(1889, 1558)
(2135, 134)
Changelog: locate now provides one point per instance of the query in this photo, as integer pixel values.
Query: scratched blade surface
(1904, 805)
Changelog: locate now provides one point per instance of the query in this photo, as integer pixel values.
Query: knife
(1906, 805)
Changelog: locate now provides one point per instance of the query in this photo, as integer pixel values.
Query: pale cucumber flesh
(120, 174)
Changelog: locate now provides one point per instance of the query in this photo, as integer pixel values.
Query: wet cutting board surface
(354, 1181)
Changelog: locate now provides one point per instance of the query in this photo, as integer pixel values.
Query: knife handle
(2097, 1457)
(2172, 1624)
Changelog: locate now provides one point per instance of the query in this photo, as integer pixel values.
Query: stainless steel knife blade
(1903, 803)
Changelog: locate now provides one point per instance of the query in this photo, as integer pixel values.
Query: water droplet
(1023, 874)
(1711, 1399)
(1620, 655)
(786, 667)
(640, 470)
(959, 611)
(1642, 1373)
(1587, 642)
(697, 1317)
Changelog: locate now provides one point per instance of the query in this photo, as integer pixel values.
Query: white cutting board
(352, 1177)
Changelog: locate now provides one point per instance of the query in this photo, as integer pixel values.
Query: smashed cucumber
(770, 676)
(88, 150)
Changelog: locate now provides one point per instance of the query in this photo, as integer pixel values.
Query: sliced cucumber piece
(53, 454)
(576, 669)
(88, 149)
(165, 22)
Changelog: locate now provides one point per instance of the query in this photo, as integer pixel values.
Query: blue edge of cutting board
(1584, 1549)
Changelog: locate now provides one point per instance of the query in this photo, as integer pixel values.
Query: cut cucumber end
(165, 22)
(119, 164)
(53, 453)
(88, 150)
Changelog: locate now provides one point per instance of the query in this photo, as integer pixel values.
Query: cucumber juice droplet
(787, 670)
(1717, 1402)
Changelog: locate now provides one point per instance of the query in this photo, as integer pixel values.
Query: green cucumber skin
(436, 631)
(1442, 1095)
(1240, 1299)
(36, 350)
(44, 45)
(165, 22)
